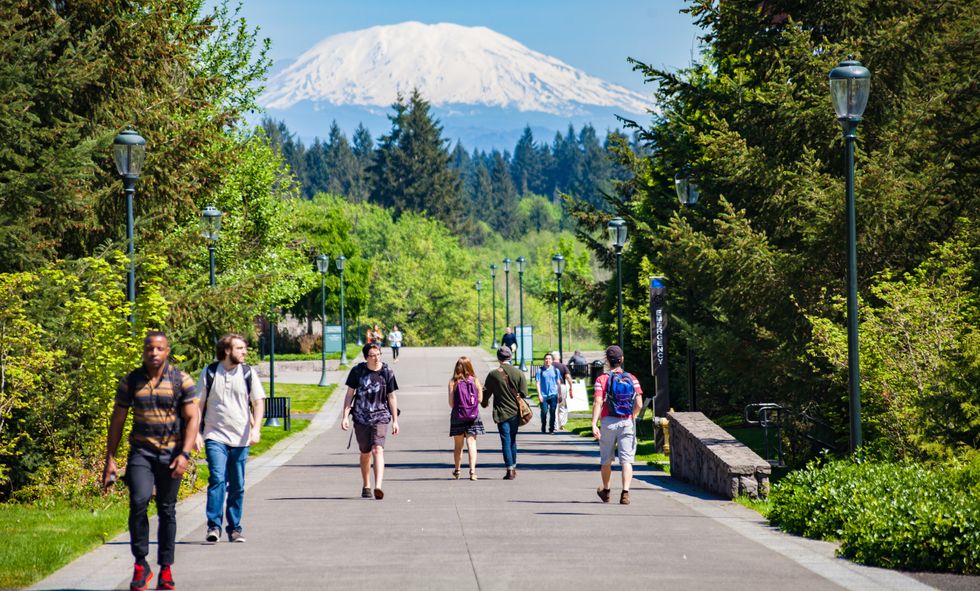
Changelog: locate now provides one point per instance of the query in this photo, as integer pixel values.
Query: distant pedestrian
(509, 340)
(165, 425)
(464, 421)
(617, 399)
(564, 390)
(372, 404)
(547, 379)
(395, 340)
(377, 337)
(505, 384)
(577, 365)
(232, 408)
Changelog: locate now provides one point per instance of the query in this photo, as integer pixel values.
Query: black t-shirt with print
(371, 389)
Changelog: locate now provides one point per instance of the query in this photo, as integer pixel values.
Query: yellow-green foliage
(64, 344)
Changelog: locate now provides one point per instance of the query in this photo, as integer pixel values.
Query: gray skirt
(458, 427)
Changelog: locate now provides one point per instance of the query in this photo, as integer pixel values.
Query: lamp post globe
(558, 266)
(323, 265)
(521, 262)
(850, 87)
(617, 237)
(493, 300)
(129, 152)
(340, 261)
(687, 192)
(211, 229)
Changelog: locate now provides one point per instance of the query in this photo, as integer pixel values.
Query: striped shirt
(157, 422)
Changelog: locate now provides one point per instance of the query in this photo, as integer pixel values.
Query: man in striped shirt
(165, 424)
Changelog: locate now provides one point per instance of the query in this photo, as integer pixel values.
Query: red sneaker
(141, 577)
(166, 580)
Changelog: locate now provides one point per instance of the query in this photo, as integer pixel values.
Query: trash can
(595, 370)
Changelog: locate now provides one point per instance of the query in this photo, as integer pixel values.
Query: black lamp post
(479, 316)
(129, 151)
(493, 291)
(521, 261)
(210, 229)
(617, 236)
(558, 266)
(323, 265)
(688, 194)
(850, 85)
(341, 259)
(272, 421)
(506, 292)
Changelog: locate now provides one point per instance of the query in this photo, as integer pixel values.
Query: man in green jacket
(504, 384)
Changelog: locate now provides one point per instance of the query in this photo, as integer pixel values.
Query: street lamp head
(507, 265)
(210, 223)
(129, 151)
(322, 263)
(617, 233)
(687, 192)
(850, 85)
(341, 259)
(558, 264)
(520, 264)
(493, 270)
(479, 285)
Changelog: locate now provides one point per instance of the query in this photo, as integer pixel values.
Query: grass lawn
(38, 539)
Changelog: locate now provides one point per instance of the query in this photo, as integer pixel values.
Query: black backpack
(212, 370)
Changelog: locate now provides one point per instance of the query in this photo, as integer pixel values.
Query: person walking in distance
(232, 408)
(395, 340)
(464, 420)
(564, 390)
(617, 399)
(165, 424)
(509, 340)
(547, 379)
(504, 385)
(372, 404)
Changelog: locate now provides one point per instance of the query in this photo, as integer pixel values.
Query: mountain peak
(450, 64)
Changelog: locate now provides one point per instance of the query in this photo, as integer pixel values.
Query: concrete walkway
(308, 528)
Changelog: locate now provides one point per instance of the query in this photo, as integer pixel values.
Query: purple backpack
(467, 401)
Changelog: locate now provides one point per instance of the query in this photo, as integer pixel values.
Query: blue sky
(594, 36)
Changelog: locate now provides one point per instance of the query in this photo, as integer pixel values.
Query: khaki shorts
(617, 438)
(369, 436)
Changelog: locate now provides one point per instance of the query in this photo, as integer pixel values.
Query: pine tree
(363, 148)
(411, 168)
(341, 164)
(525, 168)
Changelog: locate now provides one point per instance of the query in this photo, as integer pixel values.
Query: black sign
(658, 350)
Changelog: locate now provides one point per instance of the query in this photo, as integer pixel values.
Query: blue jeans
(508, 440)
(549, 406)
(226, 475)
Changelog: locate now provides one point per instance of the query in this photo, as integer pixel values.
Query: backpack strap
(209, 372)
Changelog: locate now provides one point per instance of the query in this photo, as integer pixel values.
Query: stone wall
(704, 454)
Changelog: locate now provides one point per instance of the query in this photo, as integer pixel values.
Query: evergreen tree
(317, 172)
(525, 167)
(341, 164)
(411, 168)
(503, 197)
(363, 148)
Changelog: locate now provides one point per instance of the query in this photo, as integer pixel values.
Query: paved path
(308, 528)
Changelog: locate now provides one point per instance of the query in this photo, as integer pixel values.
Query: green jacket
(504, 403)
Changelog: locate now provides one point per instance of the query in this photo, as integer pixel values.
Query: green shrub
(894, 515)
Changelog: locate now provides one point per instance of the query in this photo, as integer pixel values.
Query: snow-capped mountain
(479, 82)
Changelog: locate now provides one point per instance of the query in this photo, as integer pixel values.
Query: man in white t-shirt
(232, 408)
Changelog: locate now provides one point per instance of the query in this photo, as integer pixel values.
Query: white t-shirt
(226, 418)
(395, 338)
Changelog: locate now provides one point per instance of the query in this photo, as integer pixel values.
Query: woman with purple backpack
(464, 421)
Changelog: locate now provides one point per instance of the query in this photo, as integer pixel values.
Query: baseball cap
(614, 353)
(503, 353)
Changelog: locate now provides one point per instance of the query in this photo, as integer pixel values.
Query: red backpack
(467, 406)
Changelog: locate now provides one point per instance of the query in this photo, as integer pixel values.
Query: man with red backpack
(617, 399)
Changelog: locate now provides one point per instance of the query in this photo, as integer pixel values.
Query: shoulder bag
(522, 407)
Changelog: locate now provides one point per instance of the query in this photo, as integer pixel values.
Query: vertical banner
(658, 351)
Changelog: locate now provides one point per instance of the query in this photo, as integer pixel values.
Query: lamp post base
(271, 422)
(495, 344)
(323, 378)
(343, 358)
